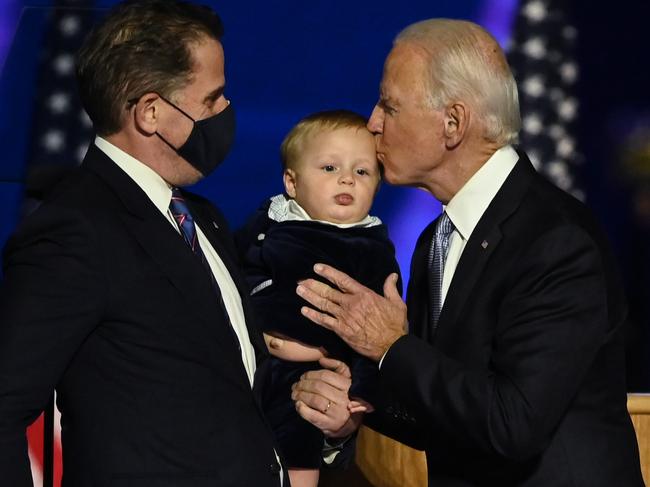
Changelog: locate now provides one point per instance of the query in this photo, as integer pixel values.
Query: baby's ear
(289, 178)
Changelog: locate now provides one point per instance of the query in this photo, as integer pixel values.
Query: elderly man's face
(408, 133)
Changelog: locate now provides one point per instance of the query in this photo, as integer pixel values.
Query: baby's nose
(346, 178)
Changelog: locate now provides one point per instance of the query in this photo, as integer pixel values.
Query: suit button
(275, 468)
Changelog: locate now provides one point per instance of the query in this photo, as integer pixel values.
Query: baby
(331, 176)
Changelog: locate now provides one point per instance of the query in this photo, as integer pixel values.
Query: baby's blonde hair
(293, 144)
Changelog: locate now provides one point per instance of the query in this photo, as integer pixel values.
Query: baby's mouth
(344, 199)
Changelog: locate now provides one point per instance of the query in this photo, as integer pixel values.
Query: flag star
(568, 109)
(533, 86)
(569, 72)
(59, 103)
(63, 64)
(556, 168)
(535, 11)
(565, 147)
(532, 124)
(559, 172)
(54, 141)
(70, 25)
(535, 48)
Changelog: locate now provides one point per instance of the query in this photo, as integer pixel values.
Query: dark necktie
(181, 213)
(437, 258)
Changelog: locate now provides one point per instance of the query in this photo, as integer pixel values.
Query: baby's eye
(329, 168)
(362, 172)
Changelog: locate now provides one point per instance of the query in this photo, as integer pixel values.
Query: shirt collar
(155, 187)
(287, 209)
(468, 205)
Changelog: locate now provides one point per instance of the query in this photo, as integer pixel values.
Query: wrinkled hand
(366, 321)
(321, 397)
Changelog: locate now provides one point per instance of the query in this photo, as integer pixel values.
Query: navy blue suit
(103, 300)
(523, 381)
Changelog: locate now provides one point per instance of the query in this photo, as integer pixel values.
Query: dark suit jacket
(522, 383)
(103, 299)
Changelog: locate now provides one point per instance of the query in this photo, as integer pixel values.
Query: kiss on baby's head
(330, 166)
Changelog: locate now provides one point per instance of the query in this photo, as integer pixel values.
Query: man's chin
(390, 177)
(187, 175)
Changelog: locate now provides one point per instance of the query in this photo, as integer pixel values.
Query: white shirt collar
(468, 205)
(284, 209)
(155, 187)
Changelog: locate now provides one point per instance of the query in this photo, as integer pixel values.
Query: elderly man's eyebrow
(386, 101)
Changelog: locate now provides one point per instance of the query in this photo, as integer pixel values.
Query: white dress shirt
(160, 194)
(467, 206)
(283, 209)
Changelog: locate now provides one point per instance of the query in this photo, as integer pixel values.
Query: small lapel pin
(215, 225)
(484, 244)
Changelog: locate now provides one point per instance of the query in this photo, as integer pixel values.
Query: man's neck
(458, 168)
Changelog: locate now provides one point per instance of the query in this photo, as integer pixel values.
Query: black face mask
(209, 141)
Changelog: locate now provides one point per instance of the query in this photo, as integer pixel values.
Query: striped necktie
(181, 213)
(437, 257)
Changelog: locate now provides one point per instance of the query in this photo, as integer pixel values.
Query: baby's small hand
(273, 343)
(292, 350)
(358, 405)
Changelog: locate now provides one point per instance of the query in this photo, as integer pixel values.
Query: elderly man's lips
(344, 199)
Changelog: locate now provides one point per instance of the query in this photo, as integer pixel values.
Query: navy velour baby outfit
(278, 254)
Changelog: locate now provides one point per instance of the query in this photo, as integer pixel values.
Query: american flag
(542, 55)
(61, 132)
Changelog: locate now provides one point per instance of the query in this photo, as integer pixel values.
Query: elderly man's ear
(456, 119)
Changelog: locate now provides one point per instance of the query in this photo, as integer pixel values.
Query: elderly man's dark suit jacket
(522, 383)
(103, 298)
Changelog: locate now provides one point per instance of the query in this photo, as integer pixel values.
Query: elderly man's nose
(376, 121)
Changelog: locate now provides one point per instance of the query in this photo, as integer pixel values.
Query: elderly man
(512, 373)
(122, 290)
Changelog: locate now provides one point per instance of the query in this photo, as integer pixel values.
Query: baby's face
(336, 177)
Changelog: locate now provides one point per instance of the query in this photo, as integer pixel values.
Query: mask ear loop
(133, 101)
(176, 107)
(166, 142)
